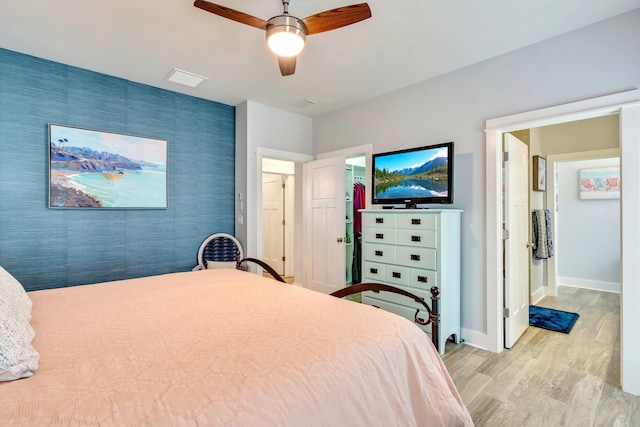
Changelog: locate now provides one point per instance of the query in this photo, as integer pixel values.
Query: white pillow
(13, 297)
(18, 358)
(220, 264)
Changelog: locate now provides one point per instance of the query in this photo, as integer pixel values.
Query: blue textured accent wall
(45, 247)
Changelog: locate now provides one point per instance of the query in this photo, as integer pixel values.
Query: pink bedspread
(225, 348)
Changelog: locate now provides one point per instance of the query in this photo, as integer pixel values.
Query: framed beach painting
(599, 183)
(105, 170)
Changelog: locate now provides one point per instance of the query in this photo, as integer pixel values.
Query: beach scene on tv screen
(414, 174)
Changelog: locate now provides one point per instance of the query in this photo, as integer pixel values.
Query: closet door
(325, 230)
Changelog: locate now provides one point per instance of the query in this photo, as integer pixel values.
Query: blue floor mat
(551, 319)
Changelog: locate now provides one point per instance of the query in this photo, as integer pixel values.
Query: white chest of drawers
(414, 249)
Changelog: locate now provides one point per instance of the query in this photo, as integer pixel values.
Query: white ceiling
(405, 42)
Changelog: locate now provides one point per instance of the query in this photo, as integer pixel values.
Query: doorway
(294, 212)
(330, 236)
(627, 104)
(560, 144)
(278, 202)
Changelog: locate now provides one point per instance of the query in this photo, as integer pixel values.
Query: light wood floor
(549, 378)
(287, 279)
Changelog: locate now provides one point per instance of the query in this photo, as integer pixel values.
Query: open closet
(355, 199)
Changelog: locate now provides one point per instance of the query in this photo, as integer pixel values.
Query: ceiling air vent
(306, 103)
(185, 78)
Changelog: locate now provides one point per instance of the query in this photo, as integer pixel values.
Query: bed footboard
(262, 264)
(433, 311)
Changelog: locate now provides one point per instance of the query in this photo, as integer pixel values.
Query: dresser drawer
(401, 299)
(373, 271)
(379, 220)
(400, 310)
(418, 221)
(379, 253)
(422, 238)
(396, 275)
(416, 257)
(379, 235)
(422, 279)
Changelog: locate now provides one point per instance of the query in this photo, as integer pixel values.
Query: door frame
(627, 104)
(298, 230)
(551, 288)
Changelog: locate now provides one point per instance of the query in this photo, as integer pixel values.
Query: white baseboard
(536, 296)
(474, 338)
(589, 284)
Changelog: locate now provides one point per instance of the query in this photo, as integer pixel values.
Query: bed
(225, 347)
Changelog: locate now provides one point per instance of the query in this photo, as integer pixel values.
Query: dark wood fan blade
(287, 65)
(337, 18)
(232, 14)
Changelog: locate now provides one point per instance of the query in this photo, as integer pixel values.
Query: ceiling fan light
(285, 35)
(285, 44)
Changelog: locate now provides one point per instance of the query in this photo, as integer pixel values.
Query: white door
(516, 245)
(325, 224)
(273, 221)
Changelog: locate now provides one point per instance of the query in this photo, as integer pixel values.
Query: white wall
(594, 61)
(536, 201)
(588, 238)
(257, 127)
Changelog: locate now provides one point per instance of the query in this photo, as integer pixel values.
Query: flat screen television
(422, 175)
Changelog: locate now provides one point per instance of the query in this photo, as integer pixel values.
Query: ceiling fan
(286, 34)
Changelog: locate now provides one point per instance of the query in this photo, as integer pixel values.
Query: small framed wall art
(539, 173)
(600, 183)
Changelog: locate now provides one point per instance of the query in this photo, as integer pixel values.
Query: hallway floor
(550, 378)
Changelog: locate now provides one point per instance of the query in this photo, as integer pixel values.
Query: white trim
(596, 285)
(270, 153)
(474, 338)
(535, 297)
(494, 129)
(493, 194)
(630, 248)
(347, 152)
(580, 110)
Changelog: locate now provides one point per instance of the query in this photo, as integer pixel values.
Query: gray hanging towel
(541, 234)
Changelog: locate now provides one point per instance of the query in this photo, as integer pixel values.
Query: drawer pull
(378, 253)
(373, 270)
(379, 220)
(415, 257)
(373, 305)
(379, 235)
(415, 238)
(423, 279)
(415, 221)
(396, 275)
